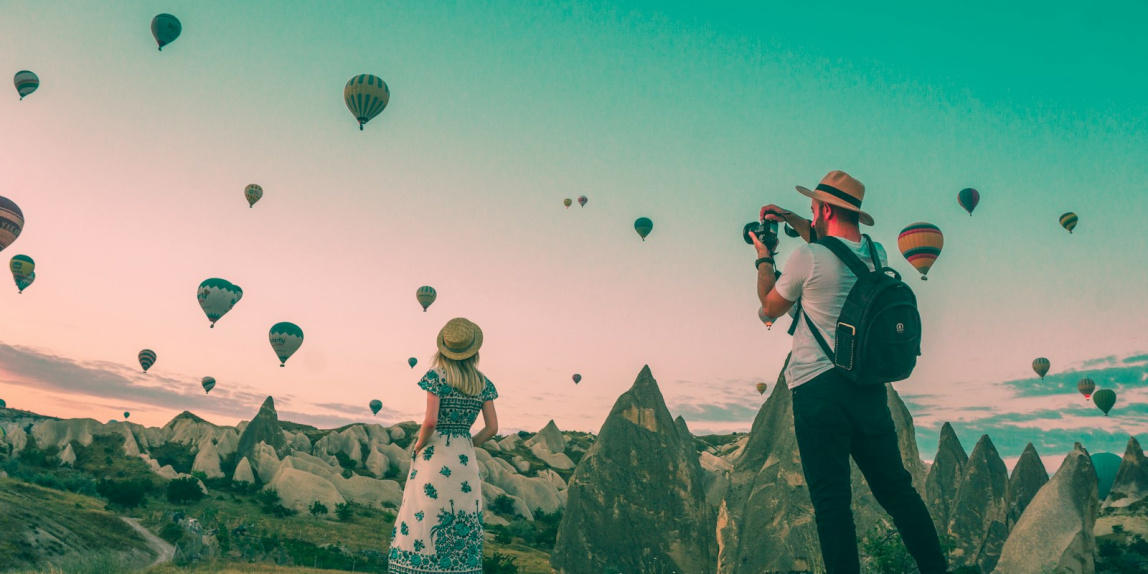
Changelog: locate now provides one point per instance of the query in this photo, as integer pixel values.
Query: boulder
(243, 472)
(510, 442)
(397, 433)
(491, 492)
(298, 489)
(636, 495)
(377, 463)
(521, 464)
(1131, 483)
(266, 462)
(264, 428)
(67, 456)
(553, 460)
(1028, 476)
(549, 437)
(944, 478)
(978, 521)
(368, 491)
(765, 522)
(227, 443)
(1055, 532)
(491, 446)
(207, 462)
(553, 478)
(377, 435)
(187, 428)
(16, 438)
(492, 519)
(59, 433)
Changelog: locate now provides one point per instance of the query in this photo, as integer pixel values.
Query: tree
(184, 490)
(344, 511)
(125, 493)
(318, 508)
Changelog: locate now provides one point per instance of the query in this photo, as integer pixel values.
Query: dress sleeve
(798, 270)
(489, 393)
(432, 383)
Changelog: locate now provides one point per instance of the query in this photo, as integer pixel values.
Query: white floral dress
(439, 527)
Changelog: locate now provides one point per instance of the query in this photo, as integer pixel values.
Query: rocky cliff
(978, 521)
(944, 477)
(1131, 484)
(636, 498)
(263, 428)
(1028, 476)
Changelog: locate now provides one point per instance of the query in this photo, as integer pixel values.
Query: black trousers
(833, 419)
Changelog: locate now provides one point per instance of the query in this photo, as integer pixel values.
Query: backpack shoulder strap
(820, 340)
(846, 255)
(873, 253)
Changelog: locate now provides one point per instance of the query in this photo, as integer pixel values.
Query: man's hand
(798, 223)
(778, 214)
(762, 249)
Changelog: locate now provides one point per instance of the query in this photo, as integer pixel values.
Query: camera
(765, 230)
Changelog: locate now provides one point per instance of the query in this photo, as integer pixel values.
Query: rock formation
(68, 456)
(1131, 484)
(944, 477)
(298, 489)
(637, 495)
(1028, 476)
(550, 437)
(684, 430)
(243, 472)
(765, 523)
(263, 428)
(978, 519)
(1055, 533)
(207, 461)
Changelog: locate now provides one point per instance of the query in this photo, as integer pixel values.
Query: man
(834, 418)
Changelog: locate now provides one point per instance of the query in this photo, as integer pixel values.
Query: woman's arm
(491, 428)
(429, 421)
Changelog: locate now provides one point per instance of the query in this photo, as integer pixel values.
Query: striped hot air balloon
(1086, 386)
(253, 193)
(26, 82)
(11, 222)
(366, 96)
(376, 406)
(208, 384)
(165, 28)
(1068, 221)
(147, 359)
(286, 338)
(426, 295)
(1104, 399)
(921, 244)
(217, 297)
(968, 198)
(643, 226)
(1041, 366)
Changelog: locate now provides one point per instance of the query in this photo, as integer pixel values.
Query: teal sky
(130, 163)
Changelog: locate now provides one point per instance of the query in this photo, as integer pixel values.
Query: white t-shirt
(822, 281)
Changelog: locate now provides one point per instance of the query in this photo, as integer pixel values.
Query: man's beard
(821, 227)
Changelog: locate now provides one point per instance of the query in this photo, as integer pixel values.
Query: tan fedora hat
(839, 189)
(459, 339)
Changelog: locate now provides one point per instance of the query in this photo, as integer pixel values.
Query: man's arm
(772, 303)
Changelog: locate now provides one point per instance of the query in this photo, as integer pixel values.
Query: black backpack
(879, 330)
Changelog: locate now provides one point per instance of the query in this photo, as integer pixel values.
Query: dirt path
(164, 551)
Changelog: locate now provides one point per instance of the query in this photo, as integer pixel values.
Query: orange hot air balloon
(921, 244)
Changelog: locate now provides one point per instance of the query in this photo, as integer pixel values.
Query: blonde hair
(461, 375)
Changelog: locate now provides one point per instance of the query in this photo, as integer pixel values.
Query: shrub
(184, 490)
(178, 455)
(171, 532)
(318, 508)
(885, 551)
(344, 511)
(502, 504)
(126, 493)
(270, 503)
(346, 461)
(1117, 528)
(498, 563)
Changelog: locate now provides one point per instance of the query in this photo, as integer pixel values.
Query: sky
(129, 165)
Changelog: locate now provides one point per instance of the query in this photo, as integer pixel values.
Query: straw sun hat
(839, 189)
(459, 339)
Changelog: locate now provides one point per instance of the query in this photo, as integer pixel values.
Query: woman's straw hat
(839, 189)
(459, 339)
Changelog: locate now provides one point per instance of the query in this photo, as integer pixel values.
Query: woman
(439, 527)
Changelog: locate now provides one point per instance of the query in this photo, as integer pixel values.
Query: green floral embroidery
(404, 529)
(456, 542)
(419, 515)
(414, 472)
(419, 545)
(430, 491)
(428, 452)
(462, 458)
(445, 471)
(466, 486)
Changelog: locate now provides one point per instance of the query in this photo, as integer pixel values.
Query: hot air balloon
(1086, 386)
(127, 415)
(11, 222)
(23, 269)
(426, 295)
(253, 193)
(582, 199)
(366, 96)
(1041, 365)
(761, 388)
(921, 244)
(577, 378)
(166, 29)
(217, 297)
(1104, 399)
(208, 384)
(567, 202)
(1068, 221)
(285, 340)
(643, 226)
(376, 406)
(22, 282)
(968, 198)
(764, 318)
(26, 82)
(412, 362)
(147, 359)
